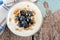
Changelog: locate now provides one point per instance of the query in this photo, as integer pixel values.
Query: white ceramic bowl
(38, 18)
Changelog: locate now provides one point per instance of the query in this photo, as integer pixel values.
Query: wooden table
(50, 29)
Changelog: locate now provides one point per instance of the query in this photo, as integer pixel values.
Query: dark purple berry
(30, 13)
(22, 18)
(17, 18)
(26, 25)
(31, 21)
(27, 18)
(20, 24)
(23, 12)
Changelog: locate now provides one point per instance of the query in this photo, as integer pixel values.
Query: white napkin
(3, 13)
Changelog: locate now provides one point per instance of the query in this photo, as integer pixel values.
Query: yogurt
(38, 18)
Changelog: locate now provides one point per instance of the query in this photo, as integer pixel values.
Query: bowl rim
(41, 15)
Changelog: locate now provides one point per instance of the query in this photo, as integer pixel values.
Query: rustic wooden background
(50, 29)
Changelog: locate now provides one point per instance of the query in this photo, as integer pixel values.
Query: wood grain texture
(8, 35)
(50, 29)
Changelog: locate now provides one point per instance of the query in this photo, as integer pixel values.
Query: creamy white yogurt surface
(38, 18)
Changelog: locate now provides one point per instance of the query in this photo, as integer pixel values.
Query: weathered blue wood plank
(54, 5)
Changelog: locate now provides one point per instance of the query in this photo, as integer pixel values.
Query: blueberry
(17, 18)
(27, 18)
(23, 12)
(30, 13)
(22, 18)
(24, 23)
(31, 21)
(20, 24)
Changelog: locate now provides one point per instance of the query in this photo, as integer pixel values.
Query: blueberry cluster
(25, 19)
